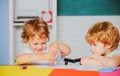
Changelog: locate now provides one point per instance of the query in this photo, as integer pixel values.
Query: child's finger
(53, 53)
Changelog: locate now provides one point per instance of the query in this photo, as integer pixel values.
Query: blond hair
(104, 32)
(34, 27)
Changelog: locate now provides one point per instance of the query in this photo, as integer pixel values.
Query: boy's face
(38, 44)
(99, 49)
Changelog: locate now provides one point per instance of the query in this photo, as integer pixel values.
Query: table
(34, 70)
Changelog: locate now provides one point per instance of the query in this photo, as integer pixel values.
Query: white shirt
(42, 62)
(114, 52)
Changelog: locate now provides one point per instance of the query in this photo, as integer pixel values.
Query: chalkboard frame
(88, 7)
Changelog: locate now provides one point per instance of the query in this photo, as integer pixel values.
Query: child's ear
(108, 46)
(26, 41)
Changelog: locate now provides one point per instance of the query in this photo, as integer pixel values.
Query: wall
(31, 7)
(72, 30)
(4, 36)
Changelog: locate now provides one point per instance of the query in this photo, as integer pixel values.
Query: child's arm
(89, 61)
(28, 58)
(109, 61)
(63, 48)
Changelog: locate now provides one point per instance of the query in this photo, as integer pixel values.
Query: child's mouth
(38, 51)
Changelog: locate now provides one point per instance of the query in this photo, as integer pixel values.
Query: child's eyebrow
(35, 43)
(43, 43)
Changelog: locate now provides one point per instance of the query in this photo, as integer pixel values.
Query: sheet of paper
(77, 66)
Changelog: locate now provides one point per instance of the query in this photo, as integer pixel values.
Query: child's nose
(40, 46)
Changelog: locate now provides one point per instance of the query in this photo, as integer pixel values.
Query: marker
(68, 60)
(71, 60)
(77, 60)
(51, 64)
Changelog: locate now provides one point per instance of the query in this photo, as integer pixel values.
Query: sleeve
(27, 50)
(114, 52)
(59, 57)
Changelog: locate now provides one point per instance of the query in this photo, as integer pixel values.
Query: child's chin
(38, 52)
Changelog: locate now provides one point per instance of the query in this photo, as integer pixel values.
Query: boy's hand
(94, 56)
(90, 60)
(86, 60)
(53, 50)
(49, 56)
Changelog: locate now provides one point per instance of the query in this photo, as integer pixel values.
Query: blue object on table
(107, 69)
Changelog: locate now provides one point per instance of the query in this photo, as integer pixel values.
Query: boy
(36, 34)
(103, 38)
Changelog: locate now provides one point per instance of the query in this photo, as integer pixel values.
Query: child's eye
(35, 43)
(43, 43)
(94, 44)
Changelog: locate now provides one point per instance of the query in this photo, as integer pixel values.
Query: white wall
(72, 30)
(31, 7)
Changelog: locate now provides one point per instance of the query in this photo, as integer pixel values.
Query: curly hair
(104, 32)
(34, 27)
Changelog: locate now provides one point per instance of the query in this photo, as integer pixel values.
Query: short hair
(33, 27)
(104, 32)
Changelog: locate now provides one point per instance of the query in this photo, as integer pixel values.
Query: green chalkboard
(88, 7)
